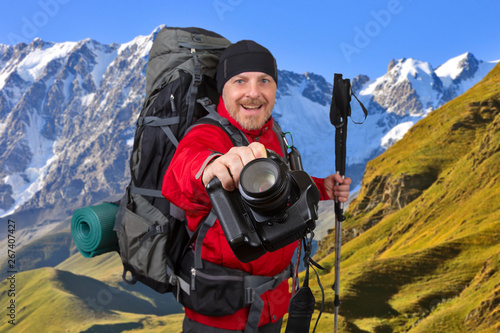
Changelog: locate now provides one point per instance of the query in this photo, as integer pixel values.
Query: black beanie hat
(245, 56)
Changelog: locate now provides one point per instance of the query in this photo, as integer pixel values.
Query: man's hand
(336, 187)
(228, 166)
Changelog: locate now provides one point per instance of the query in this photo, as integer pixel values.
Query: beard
(250, 122)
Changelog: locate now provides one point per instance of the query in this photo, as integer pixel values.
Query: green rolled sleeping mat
(92, 229)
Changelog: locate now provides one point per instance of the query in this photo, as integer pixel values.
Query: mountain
(67, 113)
(421, 246)
(68, 110)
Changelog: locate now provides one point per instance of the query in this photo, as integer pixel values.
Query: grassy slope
(431, 266)
(54, 300)
(47, 251)
(106, 267)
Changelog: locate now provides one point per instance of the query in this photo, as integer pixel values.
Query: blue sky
(324, 37)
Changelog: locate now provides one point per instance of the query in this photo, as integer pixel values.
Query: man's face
(249, 98)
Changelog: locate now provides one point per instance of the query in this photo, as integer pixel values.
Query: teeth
(251, 107)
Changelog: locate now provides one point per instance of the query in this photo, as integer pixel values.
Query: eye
(266, 79)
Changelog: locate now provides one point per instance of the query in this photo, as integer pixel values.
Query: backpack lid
(171, 51)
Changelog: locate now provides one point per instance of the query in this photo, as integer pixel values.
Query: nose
(253, 89)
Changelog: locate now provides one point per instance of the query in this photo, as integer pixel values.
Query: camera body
(273, 207)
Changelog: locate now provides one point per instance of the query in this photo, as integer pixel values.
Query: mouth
(251, 107)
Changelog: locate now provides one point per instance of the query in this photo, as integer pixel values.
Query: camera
(272, 207)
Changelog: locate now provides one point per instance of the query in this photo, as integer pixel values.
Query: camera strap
(302, 303)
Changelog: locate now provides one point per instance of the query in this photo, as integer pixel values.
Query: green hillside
(48, 251)
(422, 240)
(54, 300)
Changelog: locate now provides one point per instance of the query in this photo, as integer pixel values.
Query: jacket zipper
(193, 278)
(172, 104)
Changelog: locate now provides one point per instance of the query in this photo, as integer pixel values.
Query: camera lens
(260, 177)
(264, 186)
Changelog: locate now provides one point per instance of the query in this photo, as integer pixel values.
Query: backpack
(155, 245)
(181, 68)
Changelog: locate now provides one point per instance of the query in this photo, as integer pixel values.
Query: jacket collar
(221, 109)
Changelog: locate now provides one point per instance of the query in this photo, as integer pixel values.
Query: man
(247, 81)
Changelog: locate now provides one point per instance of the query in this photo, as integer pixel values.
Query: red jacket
(183, 187)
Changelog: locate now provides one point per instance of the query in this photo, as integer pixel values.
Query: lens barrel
(265, 186)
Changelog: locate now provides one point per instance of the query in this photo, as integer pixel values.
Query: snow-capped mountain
(405, 94)
(408, 92)
(68, 110)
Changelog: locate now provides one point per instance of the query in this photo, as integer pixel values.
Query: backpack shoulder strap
(281, 137)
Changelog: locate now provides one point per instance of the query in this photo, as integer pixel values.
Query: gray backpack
(154, 244)
(151, 231)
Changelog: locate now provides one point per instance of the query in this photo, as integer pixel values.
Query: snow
(3, 78)
(103, 60)
(395, 134)
(3, 126)
(451, 69)
(411, 68)
(67, 87)
(32, 67)
(87, 99)
(312, 132)
(484, 68)
(370, 86)
(420, 75)
(363, 140)
(143, 43)
(26, 184)
(130, 142)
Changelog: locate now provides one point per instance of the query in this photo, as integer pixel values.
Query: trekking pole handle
(339, 206)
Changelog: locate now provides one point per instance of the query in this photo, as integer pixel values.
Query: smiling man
(250, 98)
(247, 79)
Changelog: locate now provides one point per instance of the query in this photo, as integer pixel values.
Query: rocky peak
(358, 82)
(317, 89)
(391, 65)
(410, 87)
(469, 65)
(312, 86)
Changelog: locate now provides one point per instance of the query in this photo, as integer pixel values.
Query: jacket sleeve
(321, 187)
(182, 184)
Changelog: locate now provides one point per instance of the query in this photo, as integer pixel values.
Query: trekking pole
(340, 110)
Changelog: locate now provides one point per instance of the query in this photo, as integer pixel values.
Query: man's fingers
(338, 179)
(228, 166)
(234, 165)
(341, 193)
(244, 155)
(219, 169)
(258, 149)
(238, 157)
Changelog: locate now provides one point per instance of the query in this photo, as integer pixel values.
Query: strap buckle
(249, 295)
(197, 79)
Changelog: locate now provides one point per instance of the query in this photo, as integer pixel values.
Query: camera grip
(236, 224)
